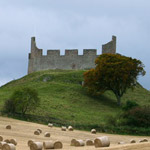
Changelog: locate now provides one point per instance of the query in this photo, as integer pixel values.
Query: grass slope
(63, 97)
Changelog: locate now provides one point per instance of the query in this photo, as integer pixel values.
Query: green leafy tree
(113, 72)
(22, 100)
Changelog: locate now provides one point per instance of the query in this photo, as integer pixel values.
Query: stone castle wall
(110, 47)
(70, 61)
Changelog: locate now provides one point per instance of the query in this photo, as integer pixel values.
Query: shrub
(111, 120)
(22, 100)
(129, 105)
(138, 116)
(9, 106)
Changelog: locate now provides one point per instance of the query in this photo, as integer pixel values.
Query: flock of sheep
(10, 144)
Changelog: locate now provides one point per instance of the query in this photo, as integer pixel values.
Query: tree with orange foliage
(113, 72)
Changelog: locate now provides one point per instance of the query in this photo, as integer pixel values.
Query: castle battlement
(53, 52)
(71, 59)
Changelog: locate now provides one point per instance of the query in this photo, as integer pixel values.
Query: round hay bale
(79, 143)
(48, 145)
(50, 125)
(8, 127)
(58, 145)
(140, 141)
(7, 140)
(47, 134)
(1, 138)
(31, 147)
(8, 146)
(73, 142)
(63, 128)
(132, 141)
(89, 142)
(13, 141)
(39, 130)
(93, 131)
(4, 146)
(102, 142)
(1, 144)
(70, 128)
(36, 132)
(36, 146)
(121, 142)
(30, 142)
(143, 140)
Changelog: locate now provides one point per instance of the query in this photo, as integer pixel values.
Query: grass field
(63, 97)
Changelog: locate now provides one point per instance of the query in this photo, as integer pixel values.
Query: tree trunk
(118, 100)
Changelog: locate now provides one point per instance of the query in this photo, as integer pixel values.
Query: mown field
(64, 100)
(23, 131)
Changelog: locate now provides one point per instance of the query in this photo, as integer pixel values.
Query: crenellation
(53, 52)
(70, 61)
(90, 52)
(71, 52)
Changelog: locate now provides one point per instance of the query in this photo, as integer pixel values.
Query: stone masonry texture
(70, 61)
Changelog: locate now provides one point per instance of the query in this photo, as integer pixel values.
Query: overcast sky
(64, 24)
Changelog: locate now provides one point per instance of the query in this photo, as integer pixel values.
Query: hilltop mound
(65, 101)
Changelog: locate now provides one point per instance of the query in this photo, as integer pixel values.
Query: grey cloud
(71, 24)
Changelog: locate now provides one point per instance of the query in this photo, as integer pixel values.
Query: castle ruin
(70, 61)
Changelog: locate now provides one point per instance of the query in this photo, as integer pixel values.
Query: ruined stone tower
(70, 61)
(110, 47)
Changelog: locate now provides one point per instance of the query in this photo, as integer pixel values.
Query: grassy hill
(65, 100)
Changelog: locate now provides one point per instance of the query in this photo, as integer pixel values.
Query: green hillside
(65, 100)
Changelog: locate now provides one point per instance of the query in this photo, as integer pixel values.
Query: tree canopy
(22, 100)
(113, 72)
